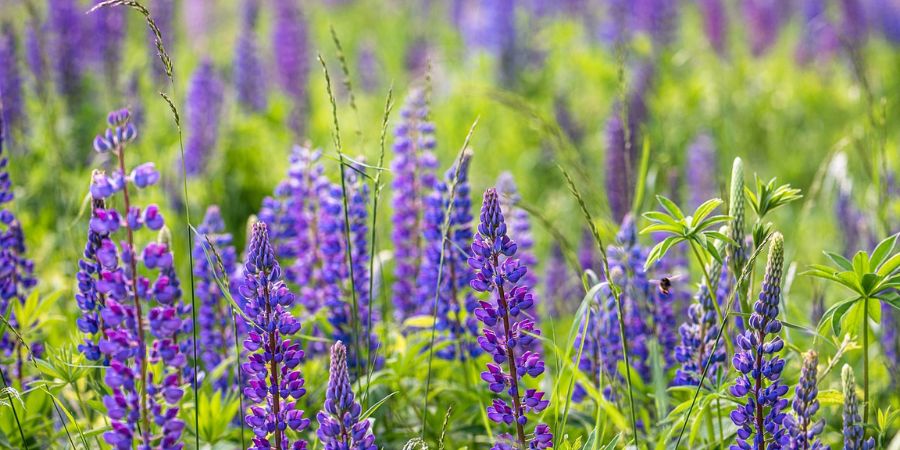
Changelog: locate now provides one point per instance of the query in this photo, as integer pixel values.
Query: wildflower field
(457, 224)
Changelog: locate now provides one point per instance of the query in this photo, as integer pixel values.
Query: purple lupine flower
(698, 332)
(454, 294)
(506, 333)
(887, 15)
(340, 426)
(623, 146)
(275, 383)
(64, 19)
(107, 33)
(715, 24)
(10, 78)
(214, 317)
(368, 66)
(854, 26)
(34, 53)
(290, 42)
(764, 21)
(163, 12)
(16, 270)
(562, 286)
(756, 358)
(489, 25)
(519, 223)
(854, 430)
(801, 429)
(123, 290)
(701, 168)
(618, 21)
(204, 106)
(657, 18)
(413, 165)
(819, 40)
(89, 299)
(249, 79)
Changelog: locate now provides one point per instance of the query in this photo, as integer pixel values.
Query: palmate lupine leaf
(768, 197)
(694, 228)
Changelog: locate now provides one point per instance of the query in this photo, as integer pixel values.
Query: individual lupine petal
(145, 175)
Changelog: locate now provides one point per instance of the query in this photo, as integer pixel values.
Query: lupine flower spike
(802, 432)
(275, 383)
(498, 273)
(854, 432)
(340, 427)
(759, 420)
(109, 275)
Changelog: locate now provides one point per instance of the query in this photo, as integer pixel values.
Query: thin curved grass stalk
(338, 147)
(741, 279)
(388, 106)
(347, 81)
(12, 406)
(445, 233)
(167, 64)
(616, 291)
(444, 427)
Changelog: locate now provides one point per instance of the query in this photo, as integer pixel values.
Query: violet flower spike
(204, 106)
(498, 273)
(759, 366)
(854, 431)
(801, 430)
(274, 380)
(340, 427)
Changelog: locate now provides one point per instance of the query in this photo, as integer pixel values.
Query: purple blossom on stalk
(561, 285)
(623, 145)
(10, 78)
(819, 39)
(135, 395)
(886, 15)
(66, 42)
(107, 35)
(275, 383)
(499, 273)
(290, 42)
(454, 294)
(204, 106)
(759, 421)
(34, 55)
(214, 317)
(854, 431)
(89, 299)
(490, 25)
(715, 24)
(763, 18)
(413, 166)
(16, 270)
(657, 18)
(854, 26)
(249, 79)
(340, 427)
(800, 428)
(701, 168)
(369, 67)
(698, 332)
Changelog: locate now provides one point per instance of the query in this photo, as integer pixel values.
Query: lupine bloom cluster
(274, 382)
(109, 276)
(340, 427)
(214, 318)
(108, 30)
(519, 223)
(307, 222)
(760, 419)
(562, 287)
(64, 21)
(204, 105)
(508, 330)
(647, 312)
(290, 47)
(10, 77)
(248, 76)
(447, 259)
(854, 431)
(698, 332)
(16, 270)
(414, 179)
(802, 432)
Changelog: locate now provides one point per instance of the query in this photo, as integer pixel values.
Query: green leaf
(671, 207)
(377, 405)
(883, 250)
(706, 209)
(860, 263)
(836, 314)
(657, 216)
(839, 261)
(889, 266)
(422, 321)
(831, 397)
